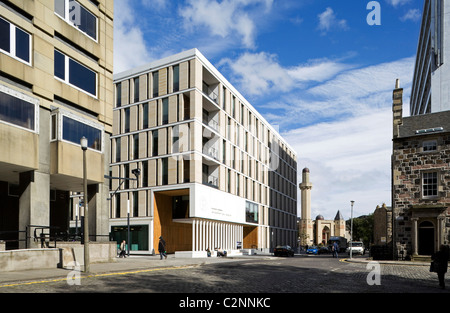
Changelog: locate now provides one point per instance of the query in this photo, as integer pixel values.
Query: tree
(362, 229)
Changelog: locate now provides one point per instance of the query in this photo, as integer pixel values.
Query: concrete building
(319, 230)
(214, 173)
(431, 81)
(420, 181)
(56, 86)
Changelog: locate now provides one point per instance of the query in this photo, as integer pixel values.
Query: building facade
(213, 172)
(56, 86)
(431, 80)
(420, 181)
(319, 230)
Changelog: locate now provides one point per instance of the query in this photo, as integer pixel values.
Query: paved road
(301, 274)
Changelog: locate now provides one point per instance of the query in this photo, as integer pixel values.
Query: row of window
(17, 43)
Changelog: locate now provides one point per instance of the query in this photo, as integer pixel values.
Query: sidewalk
(119, 265)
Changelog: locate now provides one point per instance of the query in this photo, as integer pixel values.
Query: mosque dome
(319, 217)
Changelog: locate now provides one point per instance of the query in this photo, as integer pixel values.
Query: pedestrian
(123, 249)
(335, 249)
(440, 264)
(162, 248)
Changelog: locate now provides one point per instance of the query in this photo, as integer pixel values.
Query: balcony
(210, 175)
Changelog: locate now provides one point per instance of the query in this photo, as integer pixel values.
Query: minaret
(306, 187)
(306, 224)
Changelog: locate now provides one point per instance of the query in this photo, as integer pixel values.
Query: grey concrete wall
(63, 256)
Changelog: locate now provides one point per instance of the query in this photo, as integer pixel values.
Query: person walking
(162, 248)
(440, 260)
(335, 250)
(122, 249)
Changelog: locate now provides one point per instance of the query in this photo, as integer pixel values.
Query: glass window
(136, 146)
(430, 145)
(77, 15)
(4, 35)
(118, 94)
(176, 78)
(155, 143)
(145, 115)
(14, 41)
(17, 111)
(165, 171)
(22, 45)
(165, 111)
(73, 131)
(118, 150)
(155, 84)
(75, 74)
(430, 184)
(136, 89)
(251, 212)
(60, 65)
(82, 77)
(127, 120)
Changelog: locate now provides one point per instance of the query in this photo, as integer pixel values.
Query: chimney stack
(397, 107)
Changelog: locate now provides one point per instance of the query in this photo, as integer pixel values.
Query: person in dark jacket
(441, 264)
(162, 248)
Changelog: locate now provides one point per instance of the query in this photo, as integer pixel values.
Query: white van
(356, 246)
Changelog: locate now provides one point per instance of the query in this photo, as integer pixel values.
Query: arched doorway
(426, 238)
(325, 234)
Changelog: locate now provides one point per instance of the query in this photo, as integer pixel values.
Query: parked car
(323, 250)
(312, 250)
(357, 247)
(283, 251)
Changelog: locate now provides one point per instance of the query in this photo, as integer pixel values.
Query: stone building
(420, 180)
(382, 222)
(319, 230)
(56, 86)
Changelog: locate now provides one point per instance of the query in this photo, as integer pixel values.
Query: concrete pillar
(34, 206)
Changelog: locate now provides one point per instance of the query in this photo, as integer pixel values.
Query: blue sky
(315, 69)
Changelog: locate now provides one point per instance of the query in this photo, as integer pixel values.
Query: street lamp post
(128, 224)
(84, 145)
(351, 231)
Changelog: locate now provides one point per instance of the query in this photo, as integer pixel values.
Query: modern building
(56, 86)
(431, 81)
(213, 172)
(420, 181)
(319, 230)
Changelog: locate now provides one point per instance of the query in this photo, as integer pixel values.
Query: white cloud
(225, 19)
(396, 3)
(348, 160)
(328, 20)
(412, 15)
(261, 73)
(129, 44)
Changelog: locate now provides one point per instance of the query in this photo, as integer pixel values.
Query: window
(155, 84)
(118, 94)
(136, 146)
(164, 171)
(145, 115)
(176, 78)
(75, 74)
(73, 131)
(15, 42)
(127, 120)
(430, 184)
(429, 145)
(251, 212)
(165, 111)
(78, 16)
(136, 89)
(155, 143)
(118, 150)
(175, 139)
(17, 109)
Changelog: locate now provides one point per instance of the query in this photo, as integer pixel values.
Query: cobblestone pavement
(315, 274)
